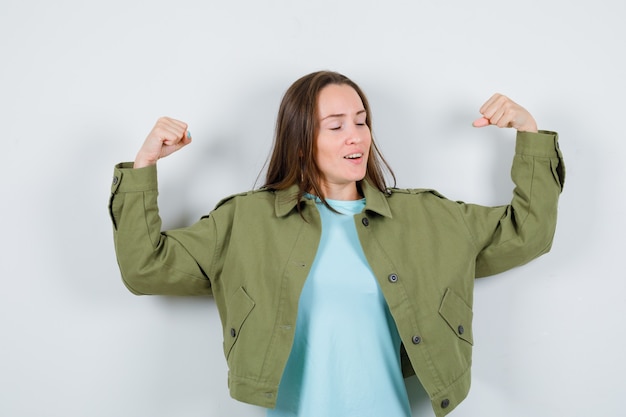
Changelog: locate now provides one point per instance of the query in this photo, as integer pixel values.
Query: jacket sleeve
(512, 235)
(152, 261)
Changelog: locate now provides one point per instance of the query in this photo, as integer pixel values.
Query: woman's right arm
(152, 261)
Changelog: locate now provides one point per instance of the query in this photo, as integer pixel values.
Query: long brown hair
(292, 160)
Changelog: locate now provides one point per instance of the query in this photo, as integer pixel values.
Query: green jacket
(253, 253)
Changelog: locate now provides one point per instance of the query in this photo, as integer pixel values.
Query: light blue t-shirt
(345, 360)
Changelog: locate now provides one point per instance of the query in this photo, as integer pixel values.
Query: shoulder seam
(415, 191)
(242, 194)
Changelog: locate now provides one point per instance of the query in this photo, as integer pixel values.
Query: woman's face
(343, 141)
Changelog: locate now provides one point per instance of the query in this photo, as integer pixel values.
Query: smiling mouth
(353, 156)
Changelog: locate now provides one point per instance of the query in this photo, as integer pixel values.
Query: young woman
(331, 286)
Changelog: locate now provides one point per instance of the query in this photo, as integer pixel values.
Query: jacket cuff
(542, 144)
(127, 179)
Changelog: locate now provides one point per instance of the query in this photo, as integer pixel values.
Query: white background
(82, 83)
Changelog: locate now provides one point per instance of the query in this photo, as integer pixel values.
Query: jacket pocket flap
(458, 315)
(239, 307)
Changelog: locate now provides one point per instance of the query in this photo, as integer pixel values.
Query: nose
(353, 134)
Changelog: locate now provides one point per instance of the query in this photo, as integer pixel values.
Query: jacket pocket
(458, 315)
(239, 307)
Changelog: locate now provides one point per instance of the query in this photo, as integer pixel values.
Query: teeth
(353, 156)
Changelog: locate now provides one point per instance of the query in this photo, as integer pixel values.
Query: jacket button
(461, 329)
(233, 333)
(393, 278)
(445, 403)
(365, 221)
(416, 340)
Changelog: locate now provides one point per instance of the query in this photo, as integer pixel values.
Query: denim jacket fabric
(253, 252)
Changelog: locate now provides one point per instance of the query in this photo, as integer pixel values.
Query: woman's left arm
(514, 234)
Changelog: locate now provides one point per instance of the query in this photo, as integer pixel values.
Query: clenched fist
(166, 137)
(501, 111)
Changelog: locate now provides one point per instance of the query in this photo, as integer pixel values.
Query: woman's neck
(342, 192)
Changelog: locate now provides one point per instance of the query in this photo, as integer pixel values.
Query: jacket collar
(375, 201)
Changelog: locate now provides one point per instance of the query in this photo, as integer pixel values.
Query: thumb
(481, 122)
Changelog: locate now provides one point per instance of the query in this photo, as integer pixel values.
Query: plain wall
(82, 83)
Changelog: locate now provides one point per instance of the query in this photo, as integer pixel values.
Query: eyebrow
(330, 116)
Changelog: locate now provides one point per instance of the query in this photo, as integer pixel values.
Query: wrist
(530, 126)
(141, 163)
